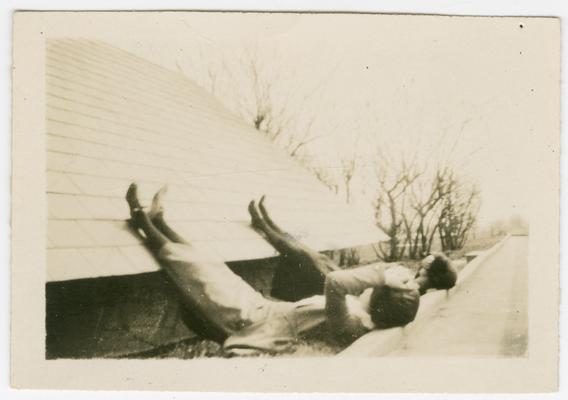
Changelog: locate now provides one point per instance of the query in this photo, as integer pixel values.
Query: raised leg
(285, 243)
(156, 237)
(302, 270)
(156, 215)
(160, 223)
(140, 221)
(267, 217)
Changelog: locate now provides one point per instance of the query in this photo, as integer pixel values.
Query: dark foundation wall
(112, 317)
(257, 273)
(128, 315)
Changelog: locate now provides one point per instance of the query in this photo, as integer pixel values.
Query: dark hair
(393, 306)
(442, 274)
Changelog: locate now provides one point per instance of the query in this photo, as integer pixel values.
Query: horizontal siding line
(178, 132)
(221, 191)
(190, 169)
(177, 76)
(185, 185)
(101, 55)
(139, 60)
(211, 240)
(332, 221)
(294, 183)
(146, 69)
(105, 246)
(187, 122)
(196, 155)
(187, 137)
(186, 160)
(169, 220)
(138, 138)
(127, 102)
(155, 87)
(126, 246)
(178, 203)
(240, 124)
(246, 196)
(215, 118)
(257, 177)
(196, 242)
(90, 90)
(55, 66)
(221, 220)
(83, 60)
(174, 201)
(233, 222)
(110, 121)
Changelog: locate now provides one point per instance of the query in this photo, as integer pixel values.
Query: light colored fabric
(358, 307)
(284, 325)
(224, 297)
(400, 277)
(253, 323)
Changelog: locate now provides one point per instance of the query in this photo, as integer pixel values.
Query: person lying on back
(351, 303)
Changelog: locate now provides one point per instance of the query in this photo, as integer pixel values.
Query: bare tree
(266, 113)
(416, 202)
(251, 85)
(272, 113)
(339, 176)
(348, 166)
(324, 175)
(421, 218)
(459, 213)
(348, 256)
(394, 178)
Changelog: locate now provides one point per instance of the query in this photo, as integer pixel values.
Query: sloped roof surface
(113, 118)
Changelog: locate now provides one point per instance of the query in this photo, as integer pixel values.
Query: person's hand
(427, 262)
(399, 277)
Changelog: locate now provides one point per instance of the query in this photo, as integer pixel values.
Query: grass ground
(198, 348)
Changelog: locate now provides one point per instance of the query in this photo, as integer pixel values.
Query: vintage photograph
(225, 195)
(239, 186)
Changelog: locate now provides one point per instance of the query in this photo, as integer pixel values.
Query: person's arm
(343, 326)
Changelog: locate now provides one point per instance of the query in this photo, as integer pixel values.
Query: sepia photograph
(270, 187)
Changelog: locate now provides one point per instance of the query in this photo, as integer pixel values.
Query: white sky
(397, 80)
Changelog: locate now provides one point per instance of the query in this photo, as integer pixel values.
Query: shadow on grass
(200, 348)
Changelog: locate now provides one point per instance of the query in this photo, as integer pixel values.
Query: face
(425, 265)
(400, 277)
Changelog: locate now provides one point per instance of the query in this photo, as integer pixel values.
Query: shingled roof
(113, 118)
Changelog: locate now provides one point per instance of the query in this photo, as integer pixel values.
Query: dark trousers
(301, 275)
